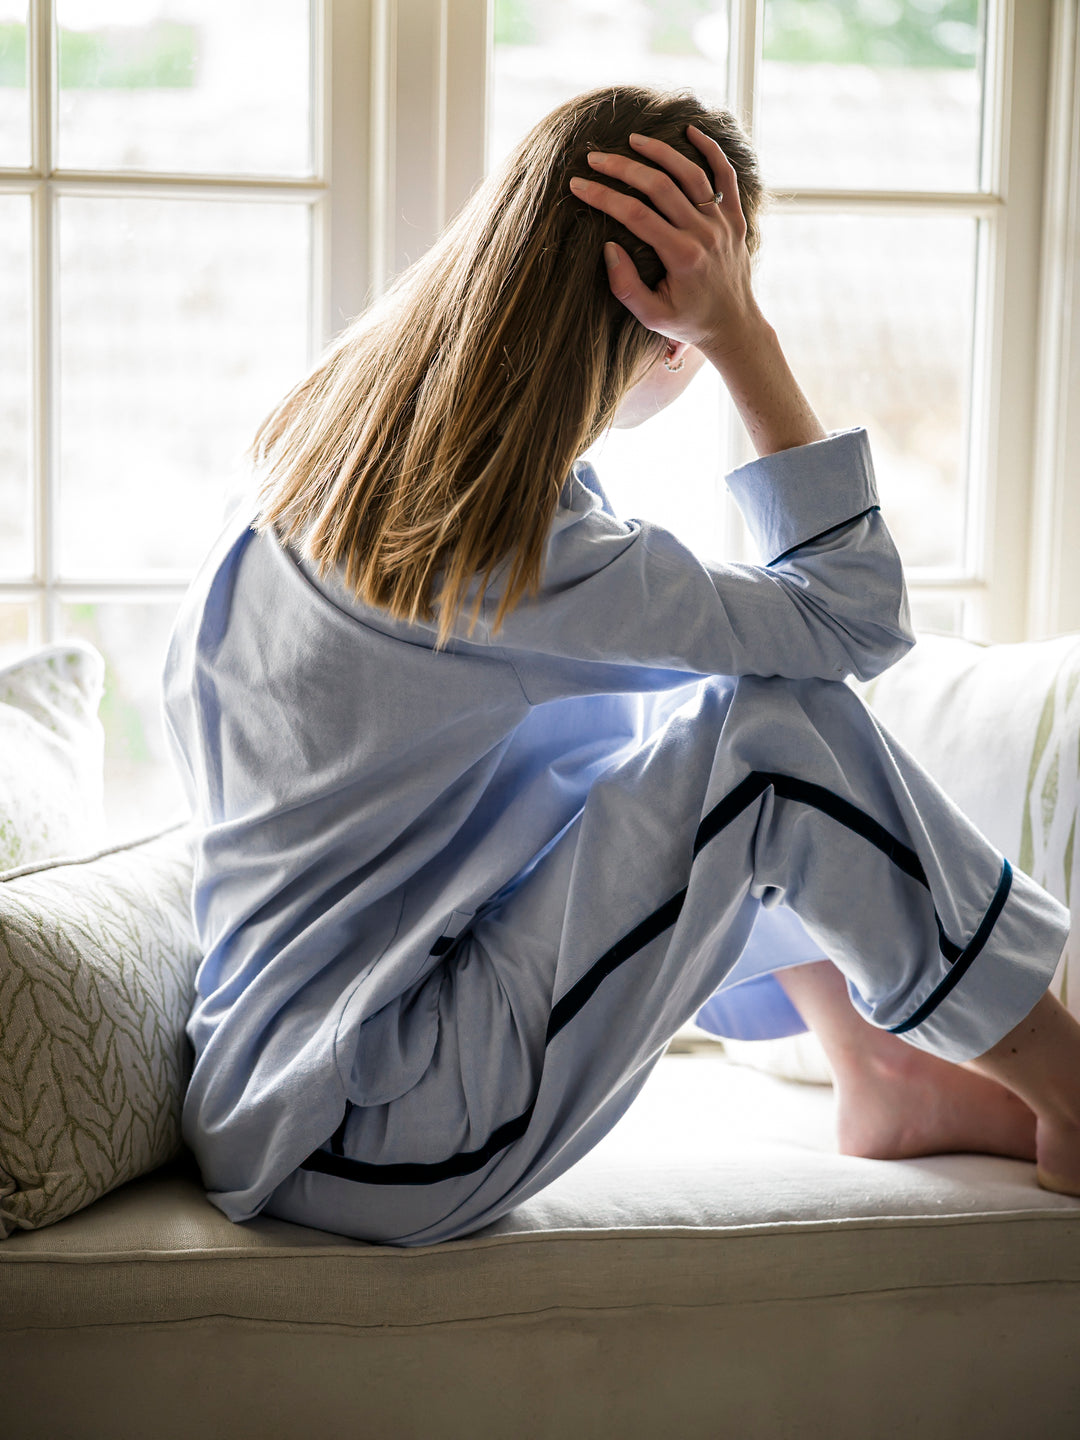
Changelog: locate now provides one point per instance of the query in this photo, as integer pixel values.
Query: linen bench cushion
(713, 1266)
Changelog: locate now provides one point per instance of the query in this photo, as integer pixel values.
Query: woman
(493, 788)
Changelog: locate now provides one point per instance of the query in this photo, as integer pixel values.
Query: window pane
(185, 85)
(181, 323)
(875, 313)
(14, 85)
(671, 469)
(142, 791)
(546, 51)
(549, 50)
(14, 629)
(16, 553)
(872, 93)
(941, 613)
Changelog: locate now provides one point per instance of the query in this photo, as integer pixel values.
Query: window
(161, 228)
(900, 261)
(195, 196)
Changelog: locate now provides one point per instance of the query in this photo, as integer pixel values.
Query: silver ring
(716, 199)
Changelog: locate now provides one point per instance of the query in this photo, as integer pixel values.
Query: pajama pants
(558, 1000)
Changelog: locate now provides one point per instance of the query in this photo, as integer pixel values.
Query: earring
(678, 363)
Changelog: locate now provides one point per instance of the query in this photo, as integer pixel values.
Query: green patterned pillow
(51, 754)
(97, 970)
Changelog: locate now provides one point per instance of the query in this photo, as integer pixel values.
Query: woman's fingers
(724, 176)
(691, 177)
(669, 197)
(640, 219)
(706, 289)
(627, 285)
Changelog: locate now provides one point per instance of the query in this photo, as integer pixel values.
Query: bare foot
(1058, 1152)
(895, 1104)
(1039, 1059)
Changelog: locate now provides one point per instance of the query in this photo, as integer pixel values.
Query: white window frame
(401, 92)
(992, 576)
(1054, 582)
(46, 590)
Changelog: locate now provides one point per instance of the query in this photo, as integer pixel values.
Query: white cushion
(51, 754)
(711, 1268)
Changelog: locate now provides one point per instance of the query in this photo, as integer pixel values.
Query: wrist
(752, 365)
(744, 343)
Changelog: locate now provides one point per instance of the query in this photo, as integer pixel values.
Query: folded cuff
(796, 495)
(1003, 982)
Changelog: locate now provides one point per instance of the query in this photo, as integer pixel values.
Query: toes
(1061, 1184)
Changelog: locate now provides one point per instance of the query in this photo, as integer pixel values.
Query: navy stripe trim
(410, 1172)
(822, 534)
(963, 961)
(584, 989)
(337, 1140)
(785, 787)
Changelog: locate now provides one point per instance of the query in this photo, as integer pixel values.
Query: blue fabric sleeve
(624, 605)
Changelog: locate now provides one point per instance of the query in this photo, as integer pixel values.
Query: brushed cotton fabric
(443, 896)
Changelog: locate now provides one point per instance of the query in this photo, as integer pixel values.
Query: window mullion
(43, 395)
(745, 18)
(469, 33)
(744, 57)
(1020, 76)
(355, 161)
(1054, 598)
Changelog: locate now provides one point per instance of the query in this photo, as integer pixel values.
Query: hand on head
(698, 232)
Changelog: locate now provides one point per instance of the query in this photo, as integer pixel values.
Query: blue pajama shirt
(453, 904)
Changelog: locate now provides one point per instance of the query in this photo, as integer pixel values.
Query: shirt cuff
(795, 495)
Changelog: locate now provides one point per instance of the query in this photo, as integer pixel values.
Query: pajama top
(359, 797)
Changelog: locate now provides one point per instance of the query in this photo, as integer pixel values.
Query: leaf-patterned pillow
(51, 754)
(97, 977)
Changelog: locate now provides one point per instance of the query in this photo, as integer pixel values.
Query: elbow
(888, 636)
(875, 657)
(885, 642)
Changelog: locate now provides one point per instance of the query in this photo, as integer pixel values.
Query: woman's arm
(706, 297)
(625, 603)
(625, 606)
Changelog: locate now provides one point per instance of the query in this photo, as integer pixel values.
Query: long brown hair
(431, 441)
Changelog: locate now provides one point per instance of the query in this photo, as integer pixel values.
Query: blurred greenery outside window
(938, 33)
(158, 56)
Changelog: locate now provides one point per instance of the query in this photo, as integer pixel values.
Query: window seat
(713, 1267)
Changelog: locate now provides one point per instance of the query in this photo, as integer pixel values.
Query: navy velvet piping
(821, 535)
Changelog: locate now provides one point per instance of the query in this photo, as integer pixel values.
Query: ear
(674, 354)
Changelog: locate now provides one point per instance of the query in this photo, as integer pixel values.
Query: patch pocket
(452, 931)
